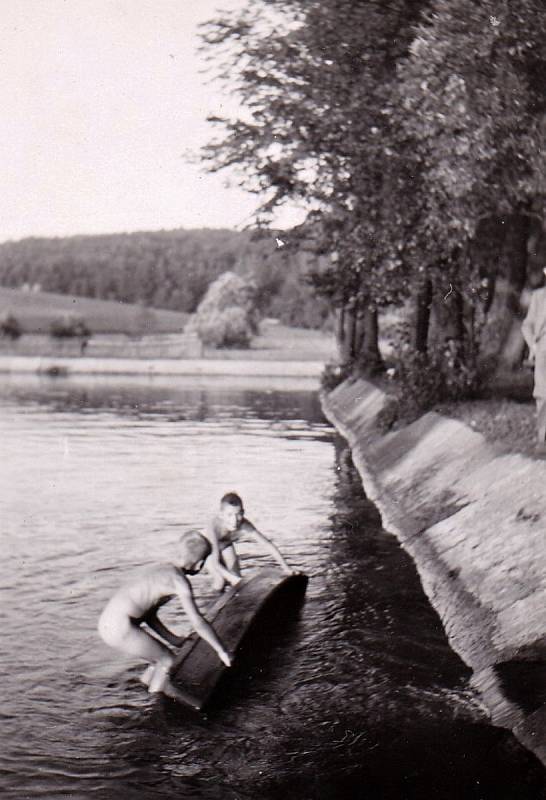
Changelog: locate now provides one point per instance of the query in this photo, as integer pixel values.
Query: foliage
(316, 79)
(227, 328)
(412, 134)
(422, 380)
(166, 269)
(68, 327)
(10, 327)
(227, 315)
(333, 374)
(471, 92)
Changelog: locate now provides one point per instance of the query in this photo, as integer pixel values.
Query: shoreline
(470, 515)
(66, 366)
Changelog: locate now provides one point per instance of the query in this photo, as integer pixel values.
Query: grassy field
(35, 311)
(280, 343)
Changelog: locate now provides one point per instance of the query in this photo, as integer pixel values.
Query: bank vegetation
(411, 134)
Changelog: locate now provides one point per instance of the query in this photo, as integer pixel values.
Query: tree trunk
(369, 356)
(515, 259)
(340, 335)
(346, 334)
(449, 313)
(422, 318)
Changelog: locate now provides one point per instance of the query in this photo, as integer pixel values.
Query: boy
(121, 623)
(224, 530)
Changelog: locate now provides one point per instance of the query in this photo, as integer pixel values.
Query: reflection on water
(359, 697)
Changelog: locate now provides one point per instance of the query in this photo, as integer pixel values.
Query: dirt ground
(504, 415)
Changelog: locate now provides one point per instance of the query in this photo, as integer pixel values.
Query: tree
(317, 79)
(227, 315)
(409, 130)
(472, 91)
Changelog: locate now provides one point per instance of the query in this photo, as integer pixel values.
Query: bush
(10, 327)
(425, 379)
(68, 327)
(333, 374)
(227, 316)
(227, 328)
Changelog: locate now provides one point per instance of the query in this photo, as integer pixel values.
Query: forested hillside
(166, 269)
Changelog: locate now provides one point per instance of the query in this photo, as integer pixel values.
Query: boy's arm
(197, 620)
(267, 544)
(215, 558)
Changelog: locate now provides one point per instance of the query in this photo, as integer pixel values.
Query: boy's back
(150, 588)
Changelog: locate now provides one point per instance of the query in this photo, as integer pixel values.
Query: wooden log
(197, 668)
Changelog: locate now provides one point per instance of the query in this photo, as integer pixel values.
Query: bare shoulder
(165, 575)
(178, 578)
(247, 526)
(214, 528)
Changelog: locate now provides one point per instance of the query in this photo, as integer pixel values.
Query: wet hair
(232, 499)
(196, 545)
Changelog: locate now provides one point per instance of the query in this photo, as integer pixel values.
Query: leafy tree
(317, 81)
(473, 101)
(227, 315)
(411, 131)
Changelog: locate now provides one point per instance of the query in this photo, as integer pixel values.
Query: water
(360, 697)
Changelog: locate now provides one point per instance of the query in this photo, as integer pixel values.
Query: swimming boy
(121, 624)
(226, 528)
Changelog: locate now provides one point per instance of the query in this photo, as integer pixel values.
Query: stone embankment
(473, 517)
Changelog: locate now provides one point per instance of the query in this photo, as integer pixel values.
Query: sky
(101, 102)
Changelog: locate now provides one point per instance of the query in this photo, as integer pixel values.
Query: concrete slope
(473, 517)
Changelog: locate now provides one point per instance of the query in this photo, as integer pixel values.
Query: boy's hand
(235, 579)
(223, 656)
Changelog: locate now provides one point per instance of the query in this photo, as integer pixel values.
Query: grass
(277, 342)
(35, 311)
(505, 414)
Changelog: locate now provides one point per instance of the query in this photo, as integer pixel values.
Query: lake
(359, 697)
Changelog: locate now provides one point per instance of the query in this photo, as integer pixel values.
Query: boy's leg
(146, 676)
(231, 560)
(218, 582)
(119, 632)
(132, 640)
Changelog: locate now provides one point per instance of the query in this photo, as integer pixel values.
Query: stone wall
(473, 517)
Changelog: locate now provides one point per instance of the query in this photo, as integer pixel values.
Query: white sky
(100, 101)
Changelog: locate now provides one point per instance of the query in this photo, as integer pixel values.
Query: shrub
(69, 326)
(226, 328)
(333, 374)
(227, 316)
(10, 327)
(425, 379)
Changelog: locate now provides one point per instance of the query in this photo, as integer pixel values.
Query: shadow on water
(358, 697)
(264, 650)
(523, 683)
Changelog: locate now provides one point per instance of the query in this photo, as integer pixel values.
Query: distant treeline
(166, 269)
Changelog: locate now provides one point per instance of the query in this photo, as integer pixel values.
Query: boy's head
(231, 511)
(194, 550)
